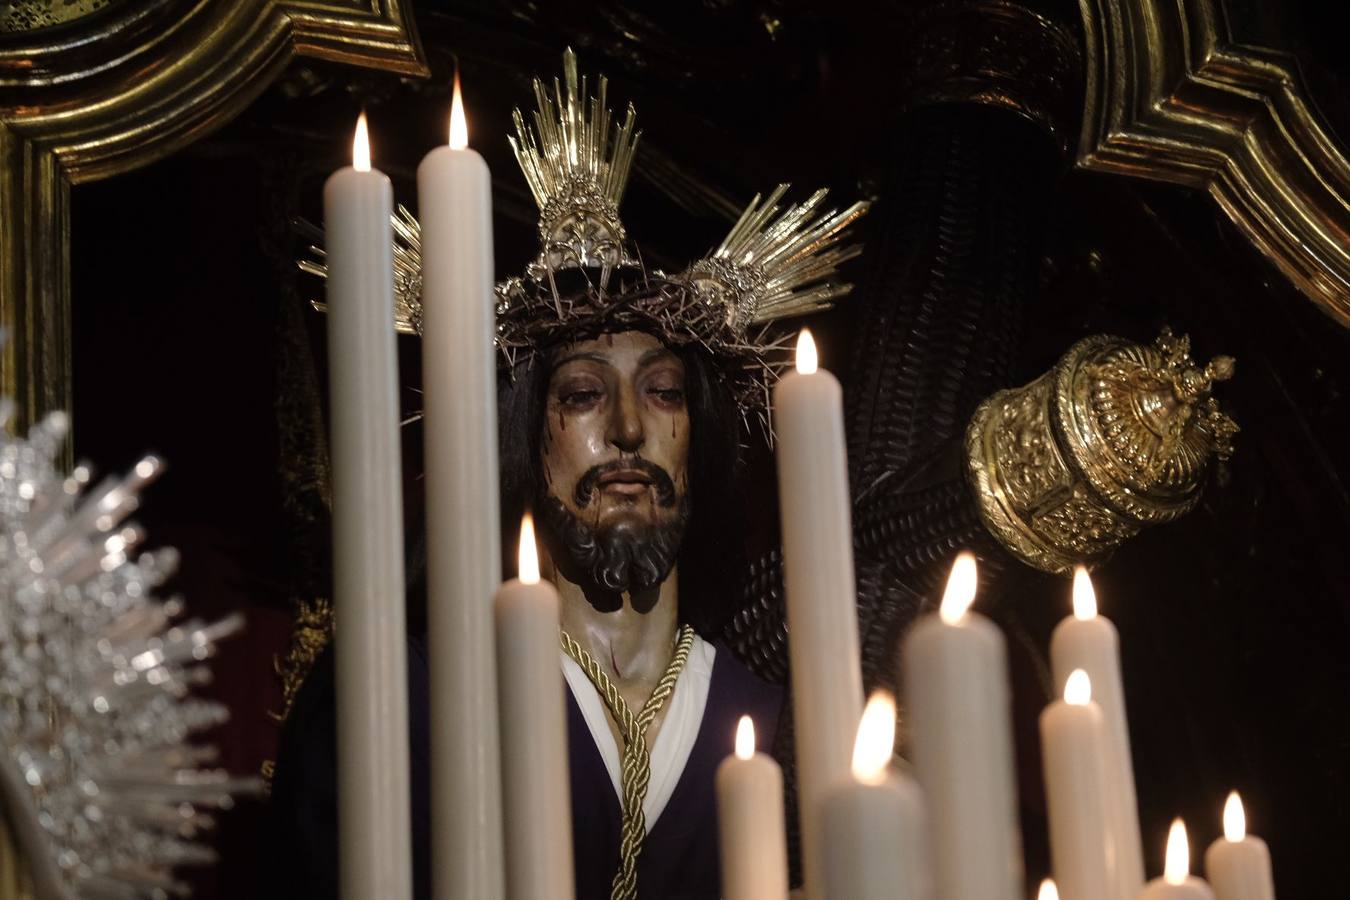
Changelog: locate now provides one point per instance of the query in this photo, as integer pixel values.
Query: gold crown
(577, 168)
(577, 160)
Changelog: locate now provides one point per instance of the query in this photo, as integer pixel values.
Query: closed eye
(668, 395)
(579, 398)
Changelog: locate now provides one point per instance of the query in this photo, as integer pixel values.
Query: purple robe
(679, 858)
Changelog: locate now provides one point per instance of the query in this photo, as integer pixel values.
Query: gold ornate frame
(119, 87)
(1171, 97)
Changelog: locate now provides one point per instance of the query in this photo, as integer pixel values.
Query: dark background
(193, 339)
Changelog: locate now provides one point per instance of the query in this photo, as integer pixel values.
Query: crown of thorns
(777, 262)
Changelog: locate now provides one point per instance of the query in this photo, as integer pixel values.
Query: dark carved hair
(713, 549)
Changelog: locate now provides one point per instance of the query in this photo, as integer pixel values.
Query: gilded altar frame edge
(1171, 97)
(121, 88)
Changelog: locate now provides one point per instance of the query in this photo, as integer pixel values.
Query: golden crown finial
(577, 164)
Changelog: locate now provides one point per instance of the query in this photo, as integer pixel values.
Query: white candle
(374, 829)
(822, 608)
(1177, 882)
(751, 829)
(459, 382)
(1238, 864)
(1089, 642)
(536, 798)
(873, 822)
(1073, 739)
(957, 698)
(1047, 891)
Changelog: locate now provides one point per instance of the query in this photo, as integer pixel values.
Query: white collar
(679, 728)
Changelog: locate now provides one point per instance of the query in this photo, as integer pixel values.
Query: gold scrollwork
(120, 87)
(1171, 97)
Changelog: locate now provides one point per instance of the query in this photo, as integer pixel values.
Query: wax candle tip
(960, 593)
(361, 145)
(459, 125)
(1078, 688)
(1084, 597)
(745, 738)
(1177, 867)
(875, 745)
(528, 568)
(806, 352)
(1234, 818)
(1048, 891)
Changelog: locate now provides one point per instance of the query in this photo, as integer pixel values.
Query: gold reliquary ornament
(1117, 436)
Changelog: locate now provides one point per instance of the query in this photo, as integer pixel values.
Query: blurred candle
(1089, 641)
(374, 831)
(1238, 864)
(1048, 891)
(1073, 738)
(1177, 882)
(537, 808)
(822, 608)
(750, 821)
(956, 691)
(873, 822)
(459, 383)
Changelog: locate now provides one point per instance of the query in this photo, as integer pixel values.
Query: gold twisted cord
(637, 763)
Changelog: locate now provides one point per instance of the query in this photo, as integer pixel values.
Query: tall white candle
(374, 829)
(751, 829)
(1238, 864)
(957, 697)
(537, 806)
(462, 508)
(1073, 740)
(821, 594)
(1089, 642)
(873, 822)
(1177, 882)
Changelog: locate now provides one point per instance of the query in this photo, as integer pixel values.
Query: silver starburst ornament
(102, 788)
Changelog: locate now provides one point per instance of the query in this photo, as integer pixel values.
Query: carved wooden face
(616, 428)
(615, 455)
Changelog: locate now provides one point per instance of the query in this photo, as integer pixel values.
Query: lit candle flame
(459, 126)
(806, 352)
(1078, 689)
(1048, 891)
(1234, 819)
(361, 145)
(960, 591)
(528, 567)
(745, 738)
(875, 744)
(1177, 867)
(1084, 597)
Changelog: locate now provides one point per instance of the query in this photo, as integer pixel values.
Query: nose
(626, 431)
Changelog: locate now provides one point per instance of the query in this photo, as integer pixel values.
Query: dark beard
(628, 557)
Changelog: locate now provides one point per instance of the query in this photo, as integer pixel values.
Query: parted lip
(635, 476)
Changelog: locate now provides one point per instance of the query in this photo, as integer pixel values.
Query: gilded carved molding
(119, 87)
(1171, 97)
